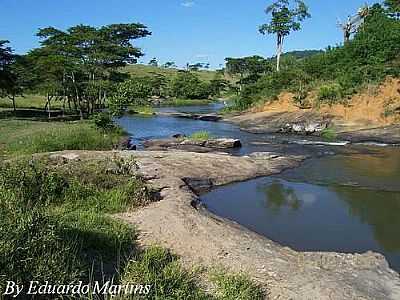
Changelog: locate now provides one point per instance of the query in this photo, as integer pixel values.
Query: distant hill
(146, 70)
(303, 53)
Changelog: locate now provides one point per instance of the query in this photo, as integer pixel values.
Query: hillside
(140, 70)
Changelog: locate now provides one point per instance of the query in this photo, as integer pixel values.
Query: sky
(183, 31)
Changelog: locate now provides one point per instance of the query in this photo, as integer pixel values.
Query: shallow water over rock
(346, 198)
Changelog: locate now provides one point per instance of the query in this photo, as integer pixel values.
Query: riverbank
(271, 122)
(178, 223)
(373, 115)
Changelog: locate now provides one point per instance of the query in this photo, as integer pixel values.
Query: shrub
(330, 93)
(329, 134)
(103, 121)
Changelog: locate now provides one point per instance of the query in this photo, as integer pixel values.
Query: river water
(343, 199)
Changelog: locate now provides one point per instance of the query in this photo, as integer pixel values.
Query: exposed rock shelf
(182, 143)
(202, 238)
(206, 117)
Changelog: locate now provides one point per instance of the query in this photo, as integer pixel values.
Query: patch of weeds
(31, 245)
(201, 136)
(235, 286)
(161, 269)
(142, 110)
(329, 134)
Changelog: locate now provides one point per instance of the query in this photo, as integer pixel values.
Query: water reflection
(310, 217)
(277, 196)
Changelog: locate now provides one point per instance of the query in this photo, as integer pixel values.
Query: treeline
(82, 68)
(139, 90)
(335, 73)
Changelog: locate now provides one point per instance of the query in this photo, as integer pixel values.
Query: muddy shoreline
(202, 238)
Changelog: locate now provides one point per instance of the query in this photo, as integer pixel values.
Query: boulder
(223, 143)
(303, 128)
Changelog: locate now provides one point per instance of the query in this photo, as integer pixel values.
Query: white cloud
(188, 3)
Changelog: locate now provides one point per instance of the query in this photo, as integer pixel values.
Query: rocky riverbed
(312, 123)
(201, 238)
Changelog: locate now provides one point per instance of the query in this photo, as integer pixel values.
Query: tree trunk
(13, 102)
(279, 52)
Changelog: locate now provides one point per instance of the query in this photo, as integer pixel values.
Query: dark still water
(345, 203)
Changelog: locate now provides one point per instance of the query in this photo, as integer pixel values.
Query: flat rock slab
(206, 117)
(201, 238)
(202, 146)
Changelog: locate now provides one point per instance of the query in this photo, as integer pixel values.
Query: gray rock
(223, 143)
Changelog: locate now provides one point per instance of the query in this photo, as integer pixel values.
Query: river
(342, 199)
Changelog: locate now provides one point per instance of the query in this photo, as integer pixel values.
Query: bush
(329, 134)
(330, 93)
(103, 121)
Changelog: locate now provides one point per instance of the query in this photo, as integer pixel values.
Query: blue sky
(183, 30)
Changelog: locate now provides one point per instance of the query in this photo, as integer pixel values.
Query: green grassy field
(28, 137)
(145, 70)
(29, 101)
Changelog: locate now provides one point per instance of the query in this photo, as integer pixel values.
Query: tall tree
(247, 68)
(286, 16)
(6, 59)
(79, 63)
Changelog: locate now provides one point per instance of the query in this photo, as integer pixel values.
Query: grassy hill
(145, 70)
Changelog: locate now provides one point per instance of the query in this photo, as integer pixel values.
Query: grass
(329, 134)
(186, 102)
(55, 225)
(49, 220)
(141, 110)
(28, 137)
(140, 70)
(200, 136)
(235, 286)
(29, 101)
(171, 281)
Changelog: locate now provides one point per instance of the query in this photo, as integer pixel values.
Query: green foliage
(81, 64)
(337, 72)
(239, 286)
(142, 110)
(53, 224)
(160, 268)
(330, 92)
(284, 20)
(329, 134)
(31, 247)
(187, 85)
(103, 121)
(201, 136)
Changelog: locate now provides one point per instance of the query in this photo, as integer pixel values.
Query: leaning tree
(286, 16)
